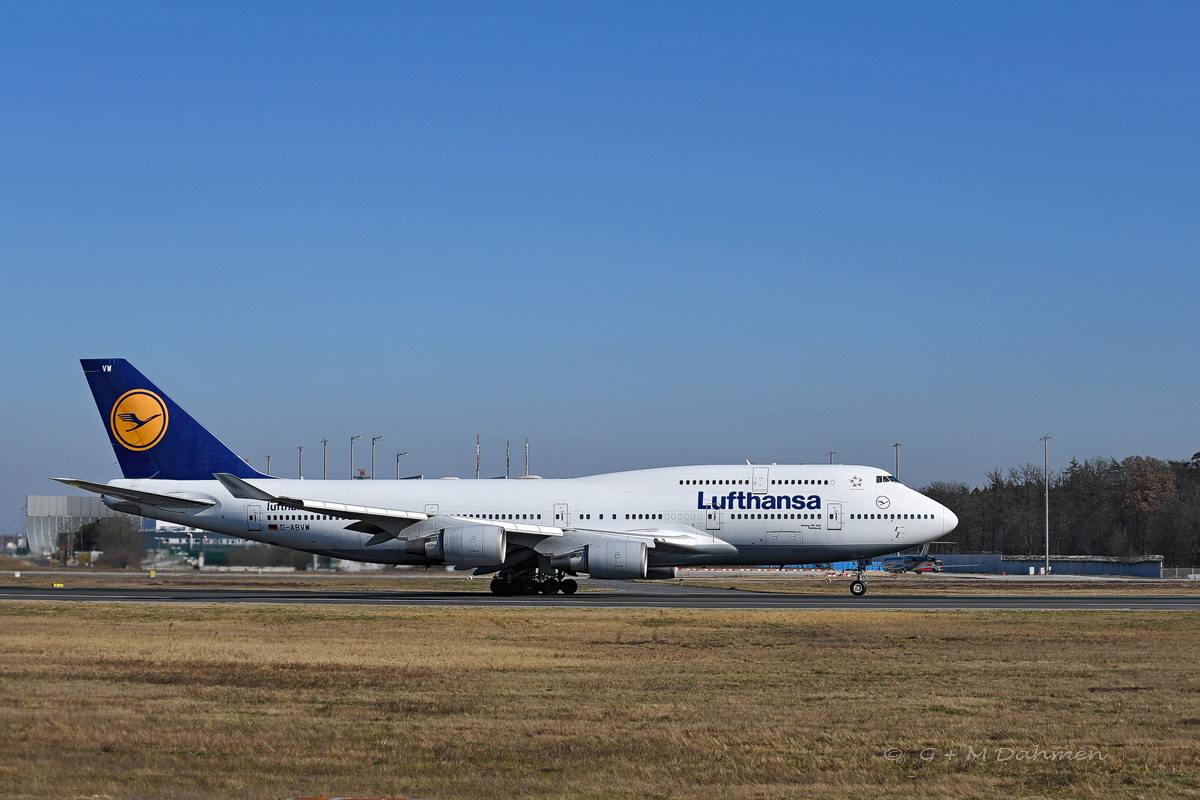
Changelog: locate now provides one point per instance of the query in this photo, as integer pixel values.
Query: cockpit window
(886, 479)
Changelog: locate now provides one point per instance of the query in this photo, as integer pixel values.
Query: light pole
(352, 440)
(268, 465)
(398, 457)
(300, 465)
(1045, 440)
(831, 454)
(374, 439)
(897, 446)
(324, 460)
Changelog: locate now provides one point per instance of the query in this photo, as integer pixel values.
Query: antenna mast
(477, 456)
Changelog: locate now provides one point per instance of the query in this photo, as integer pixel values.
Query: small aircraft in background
(920, 562)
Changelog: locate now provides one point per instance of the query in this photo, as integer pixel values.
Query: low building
(1000, 564)
(1134, 566)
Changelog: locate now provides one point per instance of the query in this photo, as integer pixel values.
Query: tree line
(1099, 506)
(121, 542)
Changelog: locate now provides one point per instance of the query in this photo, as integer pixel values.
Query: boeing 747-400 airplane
(530, 534)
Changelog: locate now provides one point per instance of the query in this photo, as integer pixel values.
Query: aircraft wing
(167, 502)
(683, 542)
(684, 539)
(376, 519)
(513, 527)
(385, 523)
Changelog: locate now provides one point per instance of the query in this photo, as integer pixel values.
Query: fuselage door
(835, 516)
(712, 520)
(562, 515)
(759, 480)
(253, 518)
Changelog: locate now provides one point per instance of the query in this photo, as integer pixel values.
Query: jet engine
(617, 560)
(465, 545)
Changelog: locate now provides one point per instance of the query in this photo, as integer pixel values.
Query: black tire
(528, 587)
(858, 588)
(501, 588)
(550, 586)
(568, 586)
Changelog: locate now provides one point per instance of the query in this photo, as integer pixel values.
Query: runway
(624, 595)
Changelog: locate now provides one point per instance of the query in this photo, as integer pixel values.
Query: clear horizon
(640, 235)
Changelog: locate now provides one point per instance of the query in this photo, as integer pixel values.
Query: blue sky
(639, 233)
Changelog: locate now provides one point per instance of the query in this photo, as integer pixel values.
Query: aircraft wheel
(501, 588)
(858, 588)
(569, 586)
(528, 587)
(550, 586)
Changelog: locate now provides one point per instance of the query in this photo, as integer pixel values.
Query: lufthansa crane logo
(882, 502)
(138, 420)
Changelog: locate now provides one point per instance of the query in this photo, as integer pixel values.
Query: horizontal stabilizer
(167, 502)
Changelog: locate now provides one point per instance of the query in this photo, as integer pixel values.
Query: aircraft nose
(949, 520)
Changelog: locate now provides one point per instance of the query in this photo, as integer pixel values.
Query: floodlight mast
(1045, 440)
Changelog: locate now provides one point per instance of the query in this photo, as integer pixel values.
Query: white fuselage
(779, 514)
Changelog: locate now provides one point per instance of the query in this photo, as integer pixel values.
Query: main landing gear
(858, 587)
(529, 581)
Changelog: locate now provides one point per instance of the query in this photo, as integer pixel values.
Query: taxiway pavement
(623, 595)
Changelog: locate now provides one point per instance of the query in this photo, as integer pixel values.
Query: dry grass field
(274, 581)
(164, 701)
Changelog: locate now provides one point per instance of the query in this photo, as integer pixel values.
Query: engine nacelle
(465, 545)
(617, 560)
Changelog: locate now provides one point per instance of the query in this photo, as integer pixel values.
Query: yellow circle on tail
(139, 419)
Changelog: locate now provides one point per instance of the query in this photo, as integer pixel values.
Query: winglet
(240, 489)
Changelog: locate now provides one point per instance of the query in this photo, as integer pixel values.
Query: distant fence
(1182, 572)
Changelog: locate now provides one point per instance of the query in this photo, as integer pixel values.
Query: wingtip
(240, 489)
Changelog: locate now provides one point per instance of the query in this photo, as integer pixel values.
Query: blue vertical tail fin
(152, 436)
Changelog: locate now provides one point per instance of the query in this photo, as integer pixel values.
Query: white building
(46, 516)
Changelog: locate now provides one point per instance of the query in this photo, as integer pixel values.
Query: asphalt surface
(625, 595)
